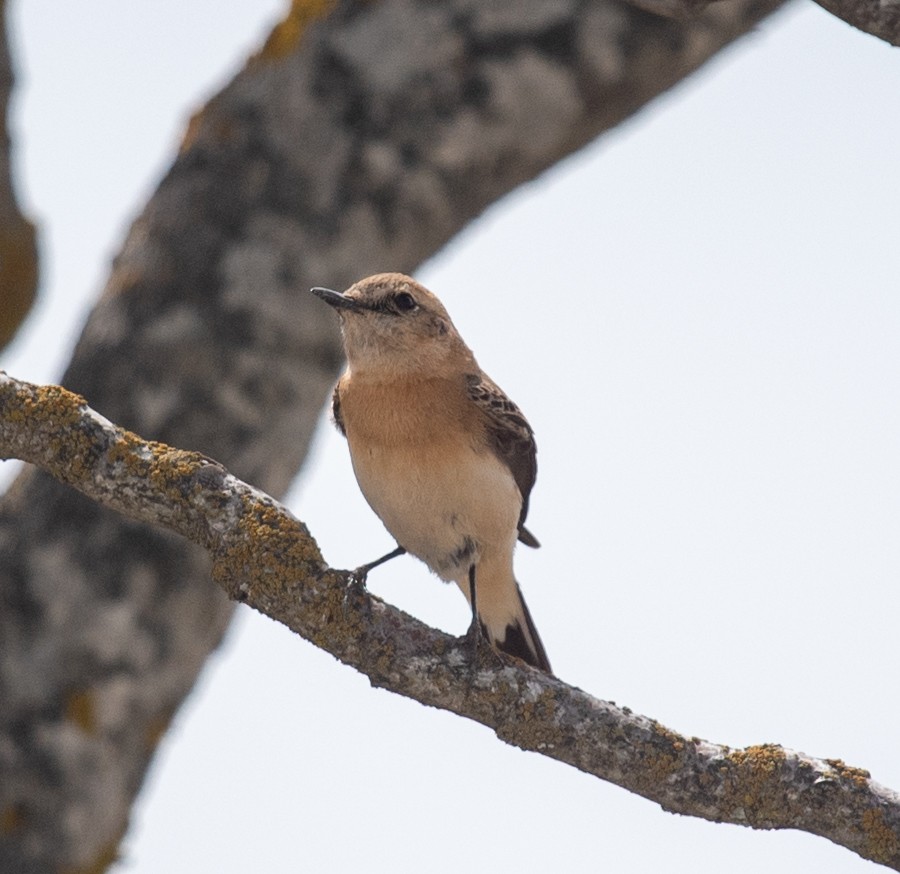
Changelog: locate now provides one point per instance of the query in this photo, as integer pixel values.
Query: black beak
(336, 299)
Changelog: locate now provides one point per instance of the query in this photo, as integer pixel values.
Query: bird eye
(405, 302)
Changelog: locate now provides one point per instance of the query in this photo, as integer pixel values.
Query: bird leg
(356, 582)
(482, 653)
(362, 571)
(475, 634)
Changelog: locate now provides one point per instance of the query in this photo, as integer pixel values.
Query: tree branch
(360, 138)
(266, 558)
(18, 243)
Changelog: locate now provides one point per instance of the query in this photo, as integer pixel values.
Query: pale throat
(384, 362)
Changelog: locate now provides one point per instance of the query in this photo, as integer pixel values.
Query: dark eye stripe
(384, 305)
(395, 305)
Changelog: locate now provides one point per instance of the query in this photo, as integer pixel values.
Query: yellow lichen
(287, 33)
(666, 757)
(765, 757)
(80, 709)
(18, 275)
(273, 549)
(50, 403)
(12, 819)
(541, 708)
(191, 132)
(756, 771)
(55, 414)
(858, 776)
(884, 845)
(124, 451)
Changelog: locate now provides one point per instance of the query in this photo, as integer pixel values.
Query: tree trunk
(360, 138)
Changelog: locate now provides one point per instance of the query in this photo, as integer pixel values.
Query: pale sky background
(699, 315)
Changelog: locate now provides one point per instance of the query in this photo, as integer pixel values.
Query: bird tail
(520, 638)
(506, 621)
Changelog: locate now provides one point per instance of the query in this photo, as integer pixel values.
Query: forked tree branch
(263, 556)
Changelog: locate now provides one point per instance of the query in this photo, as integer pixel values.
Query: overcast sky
(700, 316)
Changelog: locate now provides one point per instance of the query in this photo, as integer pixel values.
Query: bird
(442, 456)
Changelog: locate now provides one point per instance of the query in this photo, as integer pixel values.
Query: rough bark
(360, 138)
(18, 244)
(265, 557)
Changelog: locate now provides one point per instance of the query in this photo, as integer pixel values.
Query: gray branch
(266, 558)
(353, 143)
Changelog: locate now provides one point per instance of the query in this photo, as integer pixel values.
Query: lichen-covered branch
(18, 244)
(360, 138)
(266, 558)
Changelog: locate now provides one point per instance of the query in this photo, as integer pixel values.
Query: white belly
(448, 508)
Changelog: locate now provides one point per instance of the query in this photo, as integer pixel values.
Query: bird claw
(474, 632)
(481, 653)
(358, 577)
(355, 591)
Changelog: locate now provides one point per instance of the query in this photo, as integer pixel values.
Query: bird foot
(481, 653)
(358, 576)
(355, 591)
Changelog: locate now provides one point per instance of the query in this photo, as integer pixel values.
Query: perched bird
(441, 454)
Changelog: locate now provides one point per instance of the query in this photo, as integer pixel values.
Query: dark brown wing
(336, 410)
(511, 438)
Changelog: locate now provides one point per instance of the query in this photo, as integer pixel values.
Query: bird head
(393, 324)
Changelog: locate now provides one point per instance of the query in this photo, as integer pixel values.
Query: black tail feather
(525, 643)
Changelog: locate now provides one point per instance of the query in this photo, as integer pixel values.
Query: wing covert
(511, 439)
